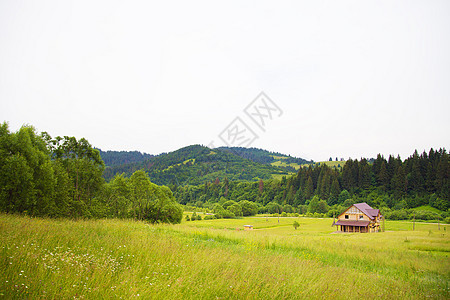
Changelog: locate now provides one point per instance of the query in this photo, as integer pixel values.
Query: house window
(346, 216)
(361, 217)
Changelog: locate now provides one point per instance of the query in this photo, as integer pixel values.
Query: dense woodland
(195, 165)
(116, 158)
(62, 177)
(263, 156)
(65, 177)
(390, 184)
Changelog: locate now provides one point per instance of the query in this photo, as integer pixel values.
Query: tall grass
(41, 258)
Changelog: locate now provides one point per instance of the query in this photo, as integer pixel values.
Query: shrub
(302, 209)
(400, 214)
(236, 209)
(248, 208)
(273, 208)
(322, 207)
(228, 204)
(226, 214)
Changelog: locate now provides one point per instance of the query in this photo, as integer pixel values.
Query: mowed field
(43, 258)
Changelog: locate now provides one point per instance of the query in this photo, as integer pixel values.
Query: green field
(285, 164)
(331, 164)
(280, 176)
(43, 258)
(427, 208)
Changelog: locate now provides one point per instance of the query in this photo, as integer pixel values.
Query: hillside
(267, 157)
(332, 164)
(197, 164)
(116, 158)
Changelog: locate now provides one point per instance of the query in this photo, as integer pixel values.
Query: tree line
(62, 177)
(390, 184)
(194, 165)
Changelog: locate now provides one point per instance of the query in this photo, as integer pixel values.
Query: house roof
(370, 212)
(352, 223)
(367, 210)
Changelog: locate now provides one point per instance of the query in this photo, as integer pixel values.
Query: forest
(197, 164)
(393, 185)
(62, 177)
(66, 177)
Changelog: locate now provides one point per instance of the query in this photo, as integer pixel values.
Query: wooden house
(248, 227)
(359, 217)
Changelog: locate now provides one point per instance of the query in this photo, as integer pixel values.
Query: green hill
(116, 158)
(331, 164)
(197, 164)
(290, 163)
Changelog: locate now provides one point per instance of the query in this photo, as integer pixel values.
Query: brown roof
(353, 223)
(367, 210)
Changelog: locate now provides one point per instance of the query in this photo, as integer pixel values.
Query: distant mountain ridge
(264, 156)
(116, 158)
(197, 164)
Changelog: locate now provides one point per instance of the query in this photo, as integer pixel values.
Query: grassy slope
(331, 164)
(208, 259)
(428, 208)
(280, 163)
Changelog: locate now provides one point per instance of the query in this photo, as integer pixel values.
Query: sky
(340, 78)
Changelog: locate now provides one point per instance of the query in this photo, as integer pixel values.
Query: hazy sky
(350, 78)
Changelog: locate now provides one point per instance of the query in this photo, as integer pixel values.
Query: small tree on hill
(296, 225)
(194, 216)
(187, 218)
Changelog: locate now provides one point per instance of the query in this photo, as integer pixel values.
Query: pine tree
(309, 191)
(334, 192)
(383, 177)
(399, 183)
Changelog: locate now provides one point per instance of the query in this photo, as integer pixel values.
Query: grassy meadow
(331, 164)
(209, 259)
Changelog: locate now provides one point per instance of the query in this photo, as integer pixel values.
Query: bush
(228, 204)
(226, 214)
(210, 217)
(288, 208)
(248, 208)
(400, 214)
(236, 209)
(322, 207)
(273, 208)
(187, 218)
(302, 209)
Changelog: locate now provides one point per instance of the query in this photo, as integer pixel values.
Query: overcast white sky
(353, 78)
